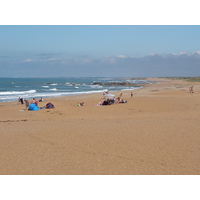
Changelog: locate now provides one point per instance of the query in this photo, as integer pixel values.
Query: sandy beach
(155, 133)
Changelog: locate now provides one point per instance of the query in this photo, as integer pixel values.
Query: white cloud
(81, 60)
(87, 60)
(52, 59)
(181, 53)
(121, 56)
(198, 52)
(28, 60)
(111, 60)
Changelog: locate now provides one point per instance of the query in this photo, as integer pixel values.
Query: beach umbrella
(109, 96)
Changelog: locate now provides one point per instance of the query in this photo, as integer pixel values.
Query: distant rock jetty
(125, 84)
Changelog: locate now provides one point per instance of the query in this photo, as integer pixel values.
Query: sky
(94, 39)
(99, 50)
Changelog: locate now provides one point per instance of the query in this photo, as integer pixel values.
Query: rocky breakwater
(125, 84)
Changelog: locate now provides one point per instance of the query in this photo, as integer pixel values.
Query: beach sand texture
(157, 132)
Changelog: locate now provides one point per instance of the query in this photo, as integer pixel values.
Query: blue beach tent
(33, 107)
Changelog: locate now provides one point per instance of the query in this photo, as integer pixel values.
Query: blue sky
(140, 51)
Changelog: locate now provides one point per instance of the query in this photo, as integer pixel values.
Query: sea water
(13, 88)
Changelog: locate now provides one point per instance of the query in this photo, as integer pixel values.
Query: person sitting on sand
(80, 104)
(118, 100)
(35, 101)
(122, 101)
(41, 100)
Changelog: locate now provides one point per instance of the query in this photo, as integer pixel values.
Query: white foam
(95, 86)
(17, 92)
(133, 88)
(53, 84)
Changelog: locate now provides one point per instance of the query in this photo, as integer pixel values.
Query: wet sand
(156, 132)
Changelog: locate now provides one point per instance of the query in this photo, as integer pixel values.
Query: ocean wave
(52, 83)
(133, 88)
(53, 89)
(57, 94)
(84, 92)
(95, 86)
(17, 92)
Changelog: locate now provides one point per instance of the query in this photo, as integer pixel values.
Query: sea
(27, 88)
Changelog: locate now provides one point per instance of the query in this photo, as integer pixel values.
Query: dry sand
(156, 132)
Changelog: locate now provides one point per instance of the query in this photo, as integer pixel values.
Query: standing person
(21, 100)
(26, 104)
(131, 94)
(191, 89)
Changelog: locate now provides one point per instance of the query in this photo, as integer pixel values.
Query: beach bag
(49, 105)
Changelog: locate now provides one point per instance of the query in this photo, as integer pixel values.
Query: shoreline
(64, 89)
(156, 132)
(190, 81)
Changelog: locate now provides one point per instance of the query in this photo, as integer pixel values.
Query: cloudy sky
(99, 50)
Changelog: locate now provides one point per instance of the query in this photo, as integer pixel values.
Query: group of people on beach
(33, 105)
(107, 101)
(34, 101)
(110, 101)
(21, 100)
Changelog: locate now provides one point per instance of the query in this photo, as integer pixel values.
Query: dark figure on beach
(122, 101)
(80, 104)
(41, 100)
(21, 100)
(131, 94)
(191, 90)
